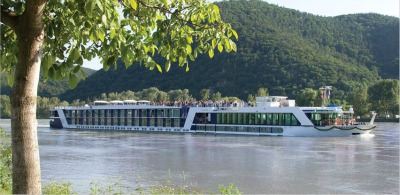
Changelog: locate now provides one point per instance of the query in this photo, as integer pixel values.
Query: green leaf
(133, 4)
(75, 54)
(48, 61)
(216, 9)
(188, 48)
(189, 39)
(167, 65)
(76, 69)
(220, 47)
(211, 53)
(104, 19)
(101, 35)
(112, 33)
(159, 68)
(111, 61)
(10, 80)
(73, 81)
(235, 34)
(233, 45)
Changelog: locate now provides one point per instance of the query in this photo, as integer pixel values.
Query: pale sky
(322, 8)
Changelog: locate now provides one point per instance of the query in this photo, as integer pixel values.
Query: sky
(321, 8)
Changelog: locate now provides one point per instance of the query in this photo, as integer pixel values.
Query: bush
(58, 188)
(5, 163)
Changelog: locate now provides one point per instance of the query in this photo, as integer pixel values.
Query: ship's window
(245, 118)
(265, 129)
(253, 129)
(210, 128)
(168, 122)
(177, 122)
(160, 122)
(144, 122)
(263, 119)
(220, 128)
(121, 121)
(241, 129)
(152, 113)
(231, 128)
(219, 118)
(234, 118)
(274, 119)
(228, 118)
(251, 118)
(268, 118)
(152, 121)
(223, 118)
(240, 118)
(161, 113)
(258, 119)
(174, 113)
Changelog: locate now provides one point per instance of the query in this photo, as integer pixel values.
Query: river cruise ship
(274, 116)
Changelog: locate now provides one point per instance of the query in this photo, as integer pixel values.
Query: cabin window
(177, 122)
(245, 118)
(168, 122)
(234, 118)
(128, 121)
(231, 128)
(228, 118)
(174, 113)
(161, 113)
(152, 122)
(144, 122)
(220, 128)
(219, 118)
(160, 122)
(275, 119)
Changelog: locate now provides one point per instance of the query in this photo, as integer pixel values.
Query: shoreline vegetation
(97, 187)
(382, 98)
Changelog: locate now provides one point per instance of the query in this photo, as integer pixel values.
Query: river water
(301, 165)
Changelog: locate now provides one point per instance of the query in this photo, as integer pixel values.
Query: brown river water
(262, 165)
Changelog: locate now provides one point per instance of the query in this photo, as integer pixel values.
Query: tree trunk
(25, 148)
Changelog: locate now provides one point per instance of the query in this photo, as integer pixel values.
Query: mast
(325, 93)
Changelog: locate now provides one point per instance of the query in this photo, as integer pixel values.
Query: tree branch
(9, 18)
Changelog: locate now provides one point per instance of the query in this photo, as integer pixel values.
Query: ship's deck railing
(217, 104)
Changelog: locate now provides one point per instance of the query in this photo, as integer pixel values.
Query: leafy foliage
(133, 30)
(5, 162)
(280, 49)
(61, 188)
(384, 96)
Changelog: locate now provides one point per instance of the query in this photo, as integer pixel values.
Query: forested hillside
(281, 49)
(47, 88)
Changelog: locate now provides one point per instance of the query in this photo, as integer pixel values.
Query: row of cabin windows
(287, 119)
(124, 113)
(238, 129)
(156, 122)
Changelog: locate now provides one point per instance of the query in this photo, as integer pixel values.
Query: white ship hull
(272, 121)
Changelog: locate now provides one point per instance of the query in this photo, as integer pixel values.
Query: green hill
(281, 49)
(47, 88)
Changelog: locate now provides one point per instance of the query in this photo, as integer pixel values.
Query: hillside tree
(54, 37)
